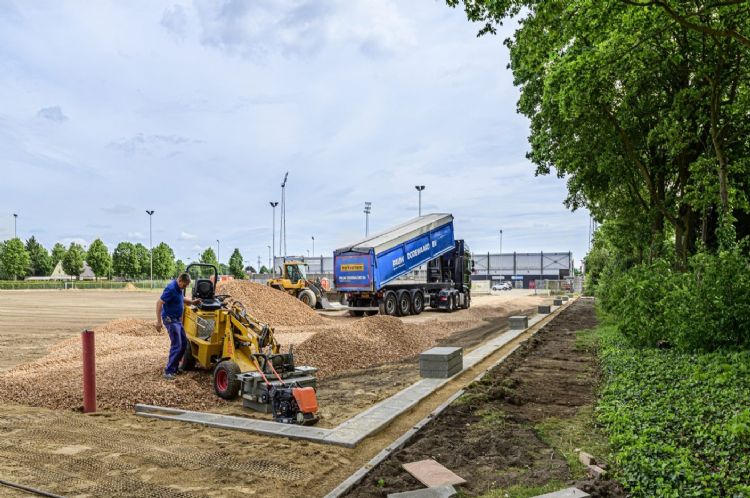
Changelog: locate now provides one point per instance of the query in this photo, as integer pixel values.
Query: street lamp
(282, 228)
(420, 188)
(269, 255)
(313, 242)
(273, 237)
(501, 250)
(150, 214)
(218, 253)
(15, 225)
(368, 210)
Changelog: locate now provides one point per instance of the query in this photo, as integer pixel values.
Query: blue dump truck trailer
(370, 272)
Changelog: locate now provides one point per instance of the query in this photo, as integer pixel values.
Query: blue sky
(196, 109)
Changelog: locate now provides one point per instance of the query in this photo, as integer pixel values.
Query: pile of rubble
(269, 305)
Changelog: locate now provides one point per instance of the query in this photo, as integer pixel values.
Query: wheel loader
(245, 357)
(294, 281)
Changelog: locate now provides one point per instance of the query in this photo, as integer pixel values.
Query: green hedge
(705, 308)
(73, 284)
(678, 423)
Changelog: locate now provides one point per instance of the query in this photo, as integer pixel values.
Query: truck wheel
(404, 303)
(468, 302)
(390, 303)
(308, 297)
(417, 303)
(226, 384)
(358, 313)
(451, 303)
(188, 360)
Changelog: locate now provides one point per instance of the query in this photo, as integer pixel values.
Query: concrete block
(436, 492)
(518, 322)
(565, 493)
(557, 302)
(564, 298)
(544, 309)
(432, 474)
(439, 374)
(586, 458)
(596, 471)
(441, 352)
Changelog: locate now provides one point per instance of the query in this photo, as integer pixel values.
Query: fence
(78, 284)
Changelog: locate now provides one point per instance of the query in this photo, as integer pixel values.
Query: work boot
(170, 376)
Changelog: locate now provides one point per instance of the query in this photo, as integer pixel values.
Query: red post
(89, 371)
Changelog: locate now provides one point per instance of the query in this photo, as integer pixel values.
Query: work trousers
(178, 341)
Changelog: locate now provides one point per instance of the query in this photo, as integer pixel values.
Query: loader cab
(294, 271)
(204, 289)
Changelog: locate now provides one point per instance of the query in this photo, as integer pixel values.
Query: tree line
(127, 261)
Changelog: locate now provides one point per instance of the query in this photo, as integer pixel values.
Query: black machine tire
(225, 380)
(308, 297)
(468, 301)
(451, 303)
(188, 360)
(370, 313)
(390, 304)
(357, 313)
(403, 303)
(417, 303)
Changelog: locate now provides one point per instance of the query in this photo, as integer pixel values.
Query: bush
(705, 308)
(678, 423)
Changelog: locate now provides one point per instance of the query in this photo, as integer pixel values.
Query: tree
(58, 251)
(209, 257)
(164, 265)
(40, 264)
(125, 261)
(179, 267)
(14, 259)
(99, 259)
(236, 265)
(264, 270)
(144, 260)
(72, 262)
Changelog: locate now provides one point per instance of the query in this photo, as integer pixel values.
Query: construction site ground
(115, 453)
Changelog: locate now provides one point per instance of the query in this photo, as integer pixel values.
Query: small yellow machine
(245, 357)
(294, 281)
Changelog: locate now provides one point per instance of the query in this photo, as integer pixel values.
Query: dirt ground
(491, 435)
(115, 453)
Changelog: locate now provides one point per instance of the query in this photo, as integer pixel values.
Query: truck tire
(417, 303)
(468, 301)
(451, 303)
(225, 380)
(357, 313)
(404, 303)
(188, 360)
(308, 297)
(389, 305)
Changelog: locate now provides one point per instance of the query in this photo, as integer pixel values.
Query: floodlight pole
(420, 188)
(368, 210)
(273, 238)
(15, 225)
(150, 214)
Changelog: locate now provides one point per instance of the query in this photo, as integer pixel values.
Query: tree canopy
(236, 266)
(14, 259)
(40, 262)
(125, 261)
(99, 259)
(164, 264)
(72, 262)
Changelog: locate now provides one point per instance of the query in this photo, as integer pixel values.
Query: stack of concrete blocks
(564, 298)
(441, 362)
(519, 322)
(557, 302)
(544, 309)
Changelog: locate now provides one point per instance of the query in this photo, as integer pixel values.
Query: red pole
(89, 371)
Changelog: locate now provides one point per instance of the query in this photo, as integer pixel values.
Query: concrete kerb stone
(544, 309)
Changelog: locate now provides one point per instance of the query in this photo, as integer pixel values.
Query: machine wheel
(417, 303)
(451, 303)
(389, 306)
(370, 313)
(468, 301)
(226, 384)
(188, 360)
(356, 313)
(404, 303)
(308, 297)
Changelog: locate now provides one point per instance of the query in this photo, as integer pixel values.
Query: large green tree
(164, 264)
(125, 261)
(99, 259)
(144, 260)
(72, 262)
(14, 259)
(645, 115)
(209, 257)
(179, 267)
(40, 262)
(58, 251)
(236, 266)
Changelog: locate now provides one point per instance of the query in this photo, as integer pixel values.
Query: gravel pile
(269, 305)
(364, 343)
(130, 358)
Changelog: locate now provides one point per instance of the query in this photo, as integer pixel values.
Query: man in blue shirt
(169, 310)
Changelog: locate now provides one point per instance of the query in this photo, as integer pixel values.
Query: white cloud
(187, 236)
(53, 113)
(135, 236)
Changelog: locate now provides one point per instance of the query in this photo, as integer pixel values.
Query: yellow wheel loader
(245, 357)
(294, 281)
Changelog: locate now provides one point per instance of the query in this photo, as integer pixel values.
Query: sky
(197, 109)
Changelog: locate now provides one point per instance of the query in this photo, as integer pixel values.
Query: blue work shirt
(173, 301)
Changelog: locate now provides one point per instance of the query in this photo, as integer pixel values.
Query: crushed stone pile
(366, 342)
(130, 358)
(269, 305)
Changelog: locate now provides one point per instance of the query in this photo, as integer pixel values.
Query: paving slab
(432, 474)
(436, 492)
(565, 493)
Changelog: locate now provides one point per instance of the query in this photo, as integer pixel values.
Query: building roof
(58, 272)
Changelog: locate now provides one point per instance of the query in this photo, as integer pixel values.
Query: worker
(169, 310)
